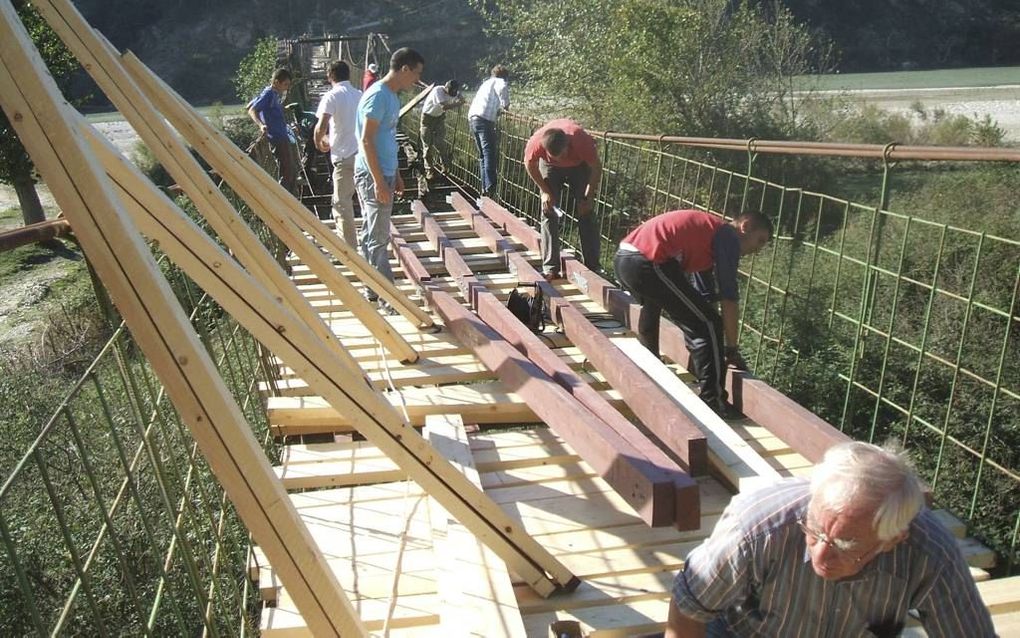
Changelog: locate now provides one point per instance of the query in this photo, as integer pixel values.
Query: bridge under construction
(319, 467)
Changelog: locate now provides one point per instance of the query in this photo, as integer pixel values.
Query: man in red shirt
(559, 154)
(370, 76)
(674, 262)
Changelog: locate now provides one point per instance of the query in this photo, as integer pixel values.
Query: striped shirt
(755, 572)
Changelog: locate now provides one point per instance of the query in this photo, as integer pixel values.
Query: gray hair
(861, 474)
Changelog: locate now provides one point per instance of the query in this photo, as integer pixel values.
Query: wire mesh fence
(111, 522)
(888, 326)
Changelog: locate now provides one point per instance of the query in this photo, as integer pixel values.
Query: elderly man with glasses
(850, 553)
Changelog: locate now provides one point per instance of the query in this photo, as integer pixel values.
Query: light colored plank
(1001, 595)
(397, 376)
(607, 621)
(478, 403)
(474, 585)
(144, 299)
(728, 451)
(601, 590)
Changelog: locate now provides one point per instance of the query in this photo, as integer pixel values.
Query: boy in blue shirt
(266, 111)
(375, 169)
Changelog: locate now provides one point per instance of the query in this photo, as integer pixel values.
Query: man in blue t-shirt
(375, 169)
(266, 111)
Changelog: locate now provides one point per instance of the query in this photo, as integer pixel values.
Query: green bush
(842, 120)
(256, 69)
(697, 67)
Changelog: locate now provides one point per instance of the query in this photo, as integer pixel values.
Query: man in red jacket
(673, 262)
(559, 154)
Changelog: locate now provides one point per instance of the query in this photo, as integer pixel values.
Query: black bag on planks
(528, 308)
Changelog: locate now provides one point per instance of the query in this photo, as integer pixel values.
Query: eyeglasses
(842, 549)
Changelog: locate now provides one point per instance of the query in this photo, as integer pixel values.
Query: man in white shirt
(337, 113)
(492, 97)
(433, 125)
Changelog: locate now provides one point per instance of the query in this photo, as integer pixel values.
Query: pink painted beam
(648, 488)
(685, 509)
(802, 430)
(649, 402)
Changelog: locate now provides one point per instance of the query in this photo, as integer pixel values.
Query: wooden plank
(1001, 595)
(339, 472)
(476, 403)
(673, 427)
(244, 174)
(805, 432)
(607, 621)
(282, 621)
(608, 589)
(475, 591)
(399, 376)
(277, 208)
(159, 326)
(732, 456)
(639, 452)
(264, 318)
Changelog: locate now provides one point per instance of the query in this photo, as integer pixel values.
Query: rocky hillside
(196, 45)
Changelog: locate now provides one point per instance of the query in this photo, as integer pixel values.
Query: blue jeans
(375, 224)
(488, 146)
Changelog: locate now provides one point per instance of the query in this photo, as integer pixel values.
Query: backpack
(529, 309)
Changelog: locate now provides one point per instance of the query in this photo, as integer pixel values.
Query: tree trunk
(31, 208)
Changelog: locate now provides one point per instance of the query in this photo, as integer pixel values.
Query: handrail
(829, 149)
(32, 233)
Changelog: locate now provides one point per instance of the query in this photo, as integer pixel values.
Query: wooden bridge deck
(410, 568)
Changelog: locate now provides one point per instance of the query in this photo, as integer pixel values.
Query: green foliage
(698, 67)
(827, 291)
(843, 120)
(146, 162)
(256, 69)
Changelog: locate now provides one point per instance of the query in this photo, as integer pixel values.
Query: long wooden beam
(42, 231)
(240, 295)
(645, 486)
(656, 409)
(241, 170)
(212, 204)
(245, 299)
(679, 507)
(805, 432)
(46, 126)
(132, 186)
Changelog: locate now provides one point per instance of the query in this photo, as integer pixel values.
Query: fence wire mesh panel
(891, 327)
(110, 519)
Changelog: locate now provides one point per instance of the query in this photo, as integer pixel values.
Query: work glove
(734, 359)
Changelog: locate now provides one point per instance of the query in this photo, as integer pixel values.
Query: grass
(10, 217)
(942, 78)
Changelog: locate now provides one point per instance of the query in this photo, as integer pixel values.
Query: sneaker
(552, 275)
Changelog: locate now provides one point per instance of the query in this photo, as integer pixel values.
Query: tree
(689, 67)
(16, 167)
(256, 69)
